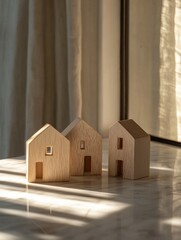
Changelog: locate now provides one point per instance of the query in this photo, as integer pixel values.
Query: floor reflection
(94, 207)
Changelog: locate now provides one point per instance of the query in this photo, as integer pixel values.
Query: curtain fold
(34, 71)
(49, 67)
(41, 67)
(74, 39)
(155, 66)
(13, 67)
(168, 82)
(37, 69)
(62, 111)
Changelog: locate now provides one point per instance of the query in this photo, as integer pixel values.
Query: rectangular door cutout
(120, 168)
(39, 170)
(87, 164)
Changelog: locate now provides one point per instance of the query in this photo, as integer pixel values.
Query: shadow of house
(129, 150)
(85, 148)
(47, 156)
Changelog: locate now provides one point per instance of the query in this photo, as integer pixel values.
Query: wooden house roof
(133, 128)
(71, 126)
(74, 123)
(40, 131)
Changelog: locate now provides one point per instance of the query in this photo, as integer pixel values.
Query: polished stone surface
(94, 207)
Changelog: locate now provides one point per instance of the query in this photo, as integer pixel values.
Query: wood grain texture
(135, 152)
(79, 131)
(56, 166)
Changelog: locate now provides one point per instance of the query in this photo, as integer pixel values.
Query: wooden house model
(85, 149)
(129, 150)
(47, 156)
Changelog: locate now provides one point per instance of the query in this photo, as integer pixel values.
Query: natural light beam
(175, 221)
(8, 236)
(13, 178)
(41, 217)
(89, 207)
(48, 186)
(163, 168)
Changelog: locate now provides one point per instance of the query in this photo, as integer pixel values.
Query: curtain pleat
(13, 67)
(35, 85)
(41, 68)
(36, 71)
(49, 67)
(154, 66)
(74, 39)
(62, 111)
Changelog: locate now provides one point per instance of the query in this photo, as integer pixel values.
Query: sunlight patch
(80, 206)
(173, 221)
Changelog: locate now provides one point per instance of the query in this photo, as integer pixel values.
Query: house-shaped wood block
(129, 150)
(47, 156)
(85, 149)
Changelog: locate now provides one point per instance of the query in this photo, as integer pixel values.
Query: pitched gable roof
(40, 131)
(74, 123)
(70, 126)
(133, 128)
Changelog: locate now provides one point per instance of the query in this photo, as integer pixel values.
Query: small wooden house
(85, 149)
(129, 150)
(47, 156)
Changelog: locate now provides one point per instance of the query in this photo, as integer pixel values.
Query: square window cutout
(49, 151)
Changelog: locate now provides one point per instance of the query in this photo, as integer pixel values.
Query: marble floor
(89, 208)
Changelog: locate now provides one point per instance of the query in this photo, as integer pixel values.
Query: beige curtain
(155, 66)
(50, 67)
(40, 65)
